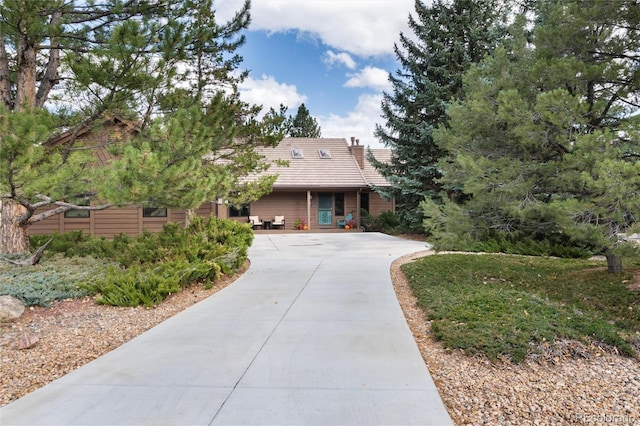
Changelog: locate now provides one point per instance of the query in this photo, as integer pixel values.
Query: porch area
(309, 231)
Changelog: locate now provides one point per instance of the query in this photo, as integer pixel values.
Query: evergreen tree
(448, 36)
(303, 125)
(546, 143)
(277, 120)
(170, 65)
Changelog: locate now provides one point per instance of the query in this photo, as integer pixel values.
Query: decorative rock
(10, 308)
(27, 341)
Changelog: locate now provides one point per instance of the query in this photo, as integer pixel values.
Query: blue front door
(325, 209)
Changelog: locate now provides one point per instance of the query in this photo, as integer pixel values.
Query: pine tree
(447, 38)
(546, 143)
(170, 65)
(303, 125)
(276, 121)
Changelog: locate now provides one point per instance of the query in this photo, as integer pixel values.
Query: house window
(242, 211)
(364, 201)
(152, 211)
(297, 153)
(78, 214)
(339, 203)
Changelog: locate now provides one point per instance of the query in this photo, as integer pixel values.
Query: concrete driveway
(311, 334)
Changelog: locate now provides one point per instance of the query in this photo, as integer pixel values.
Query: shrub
(133, 287)
(386, 222)
(518, 244)
(54, 278)
(149, 286)
(75, 243)
(152, 266)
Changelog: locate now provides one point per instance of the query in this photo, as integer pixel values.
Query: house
(113, 221)
(327, 179)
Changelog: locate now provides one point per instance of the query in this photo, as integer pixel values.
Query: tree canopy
(169, 66)
(448, 36)
(302, 125)
(545, 145)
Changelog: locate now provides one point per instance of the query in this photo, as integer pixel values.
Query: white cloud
(375, 78)
(345, 59)
(363, 28)
(356, 28)
(267, 92)
(360, 123)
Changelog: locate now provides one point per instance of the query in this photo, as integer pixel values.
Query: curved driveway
(312, 333)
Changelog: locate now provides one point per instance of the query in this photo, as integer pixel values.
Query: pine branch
(31, 260)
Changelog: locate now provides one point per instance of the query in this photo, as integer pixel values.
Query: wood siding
(377, 204)
(113, 221)
(290, 204)
(293, 206)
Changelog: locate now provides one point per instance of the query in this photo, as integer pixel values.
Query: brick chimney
(357, 151)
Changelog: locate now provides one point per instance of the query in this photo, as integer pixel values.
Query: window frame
(77, 213)
(365, 201)
(243, 211)
(338, 203)
(147, 212)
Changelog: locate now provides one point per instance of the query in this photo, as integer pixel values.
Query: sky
(334, 56)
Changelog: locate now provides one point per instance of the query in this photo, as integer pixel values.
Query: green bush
(516, 243)
(54, 278)
(152, 266)
(386, 222)
(205, 239)
(133, 287)
(451, 227)
(149, 286)
(75, 243)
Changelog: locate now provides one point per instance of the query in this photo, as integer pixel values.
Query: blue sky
(332, 55)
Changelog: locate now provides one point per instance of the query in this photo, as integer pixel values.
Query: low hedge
(144, 270)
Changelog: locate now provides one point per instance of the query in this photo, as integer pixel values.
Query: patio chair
(255, 221)
(278, 221)
(342, 223)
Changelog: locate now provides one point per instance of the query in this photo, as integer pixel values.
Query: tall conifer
(170, 66)
(546, 143)
(302, 125)
(448, 36)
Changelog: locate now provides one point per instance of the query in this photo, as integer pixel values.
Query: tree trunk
(14, 238)
(5, 75)
(26, 92)
(188, 217)
(50, 77)
(614, 263)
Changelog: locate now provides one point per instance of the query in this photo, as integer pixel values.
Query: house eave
(318, 186)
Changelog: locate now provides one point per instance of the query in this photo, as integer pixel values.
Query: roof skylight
(324, 153)
(297, 153)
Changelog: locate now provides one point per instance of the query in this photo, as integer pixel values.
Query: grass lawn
(500, 305)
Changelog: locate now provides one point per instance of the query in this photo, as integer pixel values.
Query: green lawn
(500, 305)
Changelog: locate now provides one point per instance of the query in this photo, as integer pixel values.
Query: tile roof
(370, 173)
(315, 170)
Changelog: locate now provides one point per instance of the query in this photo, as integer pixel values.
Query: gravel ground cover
(74, 332)
(574, 386)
